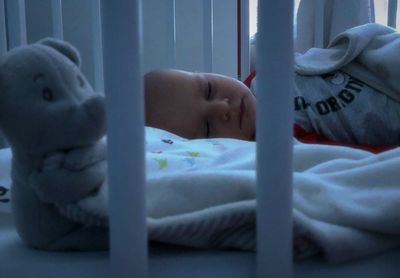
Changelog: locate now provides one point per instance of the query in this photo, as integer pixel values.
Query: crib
(120, 60)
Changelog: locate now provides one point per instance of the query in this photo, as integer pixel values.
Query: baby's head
(199, 105)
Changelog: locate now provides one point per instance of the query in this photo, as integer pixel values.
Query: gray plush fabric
(53, 120)
(367, 52)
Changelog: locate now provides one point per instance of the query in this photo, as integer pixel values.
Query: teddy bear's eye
(47, 94)
(81, 81)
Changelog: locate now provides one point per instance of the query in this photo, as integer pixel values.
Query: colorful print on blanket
(168, 153)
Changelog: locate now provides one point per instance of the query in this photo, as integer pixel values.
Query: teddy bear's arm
(72, 176)
(80, 158)
(61, 186)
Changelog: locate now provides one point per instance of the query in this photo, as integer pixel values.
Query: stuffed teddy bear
(54, 123)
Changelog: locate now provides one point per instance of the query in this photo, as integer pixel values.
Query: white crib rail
(125, 124)
(392, 13)
(274, 138)
(56, 17)
(171, 41)
(3, 34)
(244, 42)
(208, 35)
(16, 22)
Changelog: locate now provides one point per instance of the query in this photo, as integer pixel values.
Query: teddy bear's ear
(64, 48)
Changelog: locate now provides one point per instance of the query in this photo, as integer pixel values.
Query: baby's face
(199, 105)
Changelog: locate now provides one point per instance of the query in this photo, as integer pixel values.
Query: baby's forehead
(184, 82)
(167, 77)
(167, 87)
(176, 83)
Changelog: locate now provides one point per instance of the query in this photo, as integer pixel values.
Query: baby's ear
(64, 48)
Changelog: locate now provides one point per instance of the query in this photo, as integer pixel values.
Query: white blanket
(202, 193)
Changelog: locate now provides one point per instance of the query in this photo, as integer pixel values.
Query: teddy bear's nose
(95, 108)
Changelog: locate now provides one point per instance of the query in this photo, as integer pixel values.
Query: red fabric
(249, 78)
(314, 138)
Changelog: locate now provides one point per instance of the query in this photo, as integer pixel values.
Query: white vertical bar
(190, 37)
(38, 19)
(208, 35)
(171, 38)
(97, 46)
(274, 138)
(3, 32)
(16, 22)
(245, 39)
(56, 16)
(225, 38)
(121, 22)
(319, 41)
(3, 50)
(159, 34)
(371, 7)
(81, 26)
(392, 13)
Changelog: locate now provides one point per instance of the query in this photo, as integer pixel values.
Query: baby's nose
(224, 109)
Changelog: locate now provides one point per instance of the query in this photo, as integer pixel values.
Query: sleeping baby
(335, 106)
(347, 93)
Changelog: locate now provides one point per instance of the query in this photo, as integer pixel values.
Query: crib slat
(224, 40)
(3, 34)
(245, 40)
(42, 18)
(16, 22)
(56, 16)
(171, 38)
(159, 34)
(392, 13)
(125, 126)
(274, 138)
(97, 46)
(319, 28)
(208, 35)
(80, 27)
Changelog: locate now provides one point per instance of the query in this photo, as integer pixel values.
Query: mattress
(171, 261)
